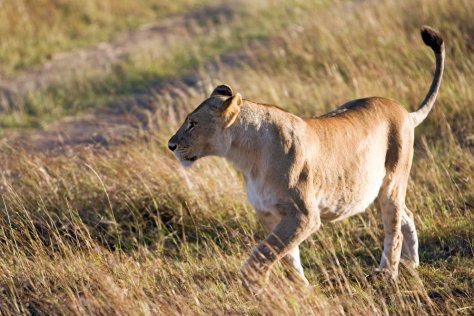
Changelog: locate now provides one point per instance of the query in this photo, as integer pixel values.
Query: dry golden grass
(125, 230)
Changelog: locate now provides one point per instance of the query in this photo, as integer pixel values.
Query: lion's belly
(334, 200)
(342, 202)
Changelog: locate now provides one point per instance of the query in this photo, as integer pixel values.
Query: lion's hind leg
(399, 229)
(392, 210)
(401, 240)
(409, 255)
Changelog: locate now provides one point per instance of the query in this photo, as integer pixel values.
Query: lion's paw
(383, 274)
(253, 279)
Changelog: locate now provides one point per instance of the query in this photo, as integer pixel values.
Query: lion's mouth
(193, 158)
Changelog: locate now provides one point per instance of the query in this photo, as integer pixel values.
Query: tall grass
(126, 230)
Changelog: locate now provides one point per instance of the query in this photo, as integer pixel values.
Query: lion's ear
(231, 109)
(222, 90)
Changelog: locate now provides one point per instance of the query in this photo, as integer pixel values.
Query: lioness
(300, 172)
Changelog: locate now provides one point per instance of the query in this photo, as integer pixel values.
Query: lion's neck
(251, 134)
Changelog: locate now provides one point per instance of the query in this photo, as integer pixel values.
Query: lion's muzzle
(172, 145)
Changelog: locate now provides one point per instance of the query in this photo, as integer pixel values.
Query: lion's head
(202, 133)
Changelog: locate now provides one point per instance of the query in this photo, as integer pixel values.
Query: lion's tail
(434, 40)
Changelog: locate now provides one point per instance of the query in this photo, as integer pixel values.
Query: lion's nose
(172, 146)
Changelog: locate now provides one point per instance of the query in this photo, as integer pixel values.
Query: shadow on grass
(447, 243)
(441, 248)
(164, 227)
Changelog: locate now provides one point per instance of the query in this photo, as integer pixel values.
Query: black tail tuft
(432, 38)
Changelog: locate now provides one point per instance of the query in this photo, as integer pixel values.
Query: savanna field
(96, 215)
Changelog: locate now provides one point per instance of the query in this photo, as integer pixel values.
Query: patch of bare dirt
(125, 119)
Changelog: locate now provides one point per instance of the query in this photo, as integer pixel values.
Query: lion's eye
(191, 125)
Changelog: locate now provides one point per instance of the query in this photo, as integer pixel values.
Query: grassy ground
(126, 230)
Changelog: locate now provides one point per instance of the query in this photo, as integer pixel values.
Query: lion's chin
(186, 163)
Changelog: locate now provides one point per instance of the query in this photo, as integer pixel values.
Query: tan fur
(300, 172)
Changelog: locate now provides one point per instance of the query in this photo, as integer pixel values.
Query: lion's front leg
(291, 261)
(289, 233)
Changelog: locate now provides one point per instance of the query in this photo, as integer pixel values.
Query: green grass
(126, 230)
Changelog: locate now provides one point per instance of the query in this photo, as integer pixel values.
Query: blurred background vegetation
(32, 31)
